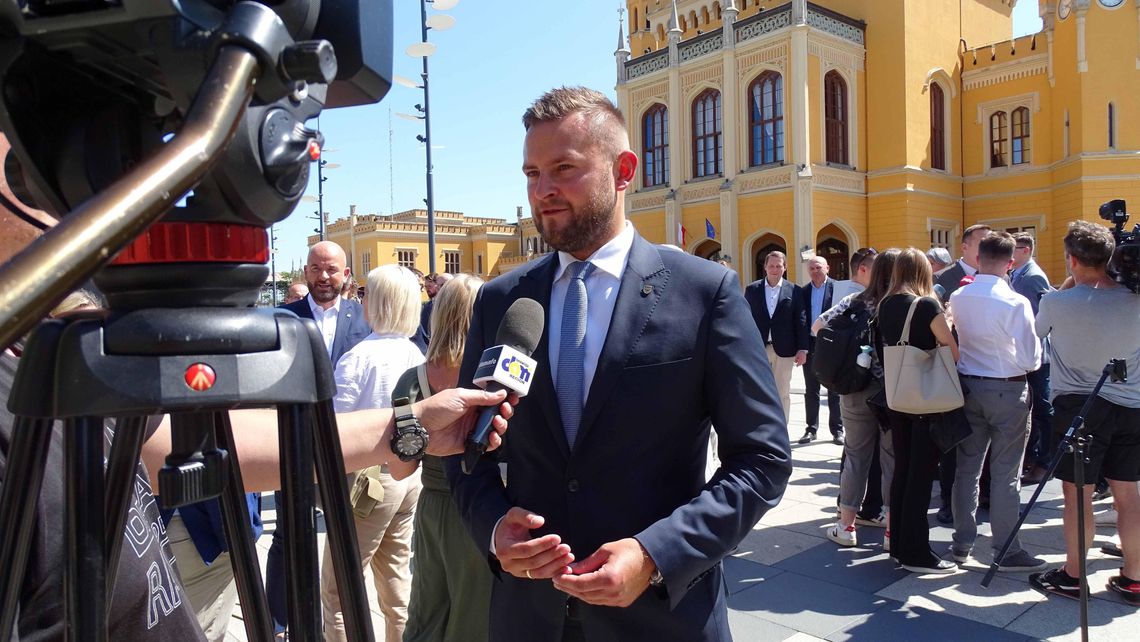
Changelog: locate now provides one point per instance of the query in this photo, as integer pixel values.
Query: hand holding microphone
(506, 366)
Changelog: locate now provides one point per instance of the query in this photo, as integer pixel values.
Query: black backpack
(837, 346)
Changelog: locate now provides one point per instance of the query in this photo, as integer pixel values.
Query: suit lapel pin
(646, 290)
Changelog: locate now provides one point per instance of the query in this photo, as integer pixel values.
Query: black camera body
(91, 88)
(1124, 266)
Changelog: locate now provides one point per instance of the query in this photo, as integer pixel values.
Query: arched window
(704, 15)
(835, 113)
(660, 33)
(716, 11)
(708, 144)
(766, 119)
(655, 134)
(937, 127)
(998, 139)
(684, 24)
(633, 23)
(1020, 135)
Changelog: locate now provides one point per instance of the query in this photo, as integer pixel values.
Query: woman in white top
(365, 377)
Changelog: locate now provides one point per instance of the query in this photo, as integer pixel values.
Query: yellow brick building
(476, 245)
(822, 127)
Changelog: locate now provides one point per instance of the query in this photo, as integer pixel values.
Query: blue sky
(485, 72)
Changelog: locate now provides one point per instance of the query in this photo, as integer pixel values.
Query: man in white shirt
(998, 344)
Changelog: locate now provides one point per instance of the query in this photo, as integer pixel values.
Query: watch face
(1063, 8)
(1111, 4)
(410, 443)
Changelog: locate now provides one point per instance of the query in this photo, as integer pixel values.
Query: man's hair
(1024, 239)
(562, 102)
(778, 254)
(862, 256)
(392, 300)
(451, 319)
(970, 231)
(1091, 244)
(996, 246)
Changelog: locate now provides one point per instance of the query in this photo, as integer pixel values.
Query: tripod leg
(243, 555)
(341, 538)
(126, 449)
(84, 583)
(27, 458)
(295, 434)
(1079, 475)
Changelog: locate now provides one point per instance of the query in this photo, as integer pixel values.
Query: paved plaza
(787, 581)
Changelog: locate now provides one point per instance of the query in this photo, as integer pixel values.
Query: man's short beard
(315, 292)
(584, 228)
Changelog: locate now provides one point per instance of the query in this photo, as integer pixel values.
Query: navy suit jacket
(681, 350)
(828, 295)
(1033, 284)
(950, 279)
(788, 325)
(351, 326)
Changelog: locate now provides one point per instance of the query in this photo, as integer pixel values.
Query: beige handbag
(920, 382)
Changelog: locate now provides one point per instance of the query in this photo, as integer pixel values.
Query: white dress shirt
(996, 332)
(771, 297)
(326, 320)
(970, 271)
(601, 291)
(366, 374)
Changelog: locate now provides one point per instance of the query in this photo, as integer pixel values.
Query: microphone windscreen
(522, 325)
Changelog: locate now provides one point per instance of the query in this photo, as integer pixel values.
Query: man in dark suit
(778, 309)
(605, 503)
(1030, 281)
(343, 325)
(818, 294)
(951, 278)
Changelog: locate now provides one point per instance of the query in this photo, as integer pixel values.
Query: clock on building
(1111, 4)
(1064, 8)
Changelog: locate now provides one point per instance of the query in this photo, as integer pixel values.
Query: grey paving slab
(962, 595)
(741, 574)
(806, 604)
(906, 622)
(809, 519)
(768, 545)
(858, 568)
(746, 627)
(1059, 619)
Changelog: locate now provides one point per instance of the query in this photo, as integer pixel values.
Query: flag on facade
(710, 231)
(681, 234)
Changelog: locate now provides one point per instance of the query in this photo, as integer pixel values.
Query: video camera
(1124, 266)
(92, 89)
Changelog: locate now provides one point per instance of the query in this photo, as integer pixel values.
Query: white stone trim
(834, 179)
(1032, 100)
(1006, 71)
(848, 75)
(1025, 220)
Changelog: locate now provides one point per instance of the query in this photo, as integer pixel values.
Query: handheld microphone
(506, 366)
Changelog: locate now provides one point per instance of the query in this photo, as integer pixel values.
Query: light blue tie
(572, 350)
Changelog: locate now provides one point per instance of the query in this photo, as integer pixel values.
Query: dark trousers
(811, 401)
(916, 457)
(275, 571)
(1039, 450)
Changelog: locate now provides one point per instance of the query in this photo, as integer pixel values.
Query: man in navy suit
(951, 278)
(778, 310)
(605, 503)
(343, 325)
(818, 297)
(1030, 281)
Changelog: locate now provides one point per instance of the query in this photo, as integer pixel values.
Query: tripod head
(93, 88)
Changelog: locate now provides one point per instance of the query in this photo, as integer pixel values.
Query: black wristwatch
(409, 440)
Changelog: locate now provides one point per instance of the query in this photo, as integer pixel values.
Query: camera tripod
(248, 164)
(1075, 441)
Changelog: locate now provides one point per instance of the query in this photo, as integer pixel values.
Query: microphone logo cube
(507, 367)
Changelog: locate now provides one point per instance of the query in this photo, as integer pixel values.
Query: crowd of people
(600, 520)
(1009, 330)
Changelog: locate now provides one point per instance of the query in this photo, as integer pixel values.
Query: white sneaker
(842, 536)
(1106, 517)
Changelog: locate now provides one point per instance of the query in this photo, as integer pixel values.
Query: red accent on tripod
(197, 243)
(200, 377)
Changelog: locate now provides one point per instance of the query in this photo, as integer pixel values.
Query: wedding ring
(528, 575)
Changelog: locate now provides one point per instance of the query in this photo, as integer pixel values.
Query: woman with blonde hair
(451, 589)
(916, 455)
(365, 377)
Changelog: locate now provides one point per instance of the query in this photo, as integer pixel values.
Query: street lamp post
(422, 50)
